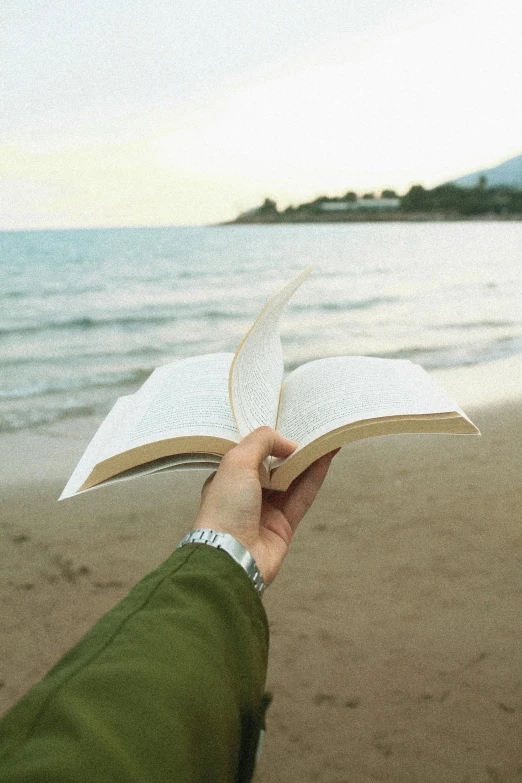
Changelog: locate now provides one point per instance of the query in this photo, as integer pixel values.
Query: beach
(395, 621)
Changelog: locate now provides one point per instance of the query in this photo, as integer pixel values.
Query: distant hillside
(507, 173)
(488, 194)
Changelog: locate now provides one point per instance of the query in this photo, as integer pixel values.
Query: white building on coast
(361, 203)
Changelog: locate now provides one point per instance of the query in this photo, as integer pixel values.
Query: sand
(396, 644)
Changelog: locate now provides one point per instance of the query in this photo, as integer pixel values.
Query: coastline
(368, 216)
(394, 622)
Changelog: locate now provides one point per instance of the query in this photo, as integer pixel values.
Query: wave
(86, 323)
(48, 293)
(435, 358)
(83, 323)
(24, 420)
(147, 351)
(358, 304)
(489, 324)
(56, 386)
(439, 357)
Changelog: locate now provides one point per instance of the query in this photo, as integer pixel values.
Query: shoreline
(491, 383)
(371, 217)
(394, 622)
(60, 445)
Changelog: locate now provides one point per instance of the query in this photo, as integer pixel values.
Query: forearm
(166, 686)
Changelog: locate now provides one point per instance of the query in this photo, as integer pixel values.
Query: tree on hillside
(388, 194)
(268, 206)
(350, 196)
(415, 199)
(316, 204)
(368, 196)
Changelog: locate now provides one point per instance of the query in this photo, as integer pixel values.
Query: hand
(264, 521)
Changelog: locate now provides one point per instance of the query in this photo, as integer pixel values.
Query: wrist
(230, 545)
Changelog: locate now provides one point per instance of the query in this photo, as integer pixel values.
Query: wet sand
(396, 622)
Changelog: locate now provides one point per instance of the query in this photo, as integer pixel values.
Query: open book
(189, 413)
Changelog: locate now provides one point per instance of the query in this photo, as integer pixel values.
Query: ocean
(86, 315)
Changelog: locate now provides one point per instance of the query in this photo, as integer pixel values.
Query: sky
(189, 112)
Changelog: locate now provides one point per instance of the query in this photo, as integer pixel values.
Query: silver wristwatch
(232, 547)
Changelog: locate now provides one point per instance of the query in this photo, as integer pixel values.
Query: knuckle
(265, 430)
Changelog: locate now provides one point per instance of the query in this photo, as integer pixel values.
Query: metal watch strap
(232, 547)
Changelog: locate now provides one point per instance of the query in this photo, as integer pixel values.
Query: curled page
(257, 369)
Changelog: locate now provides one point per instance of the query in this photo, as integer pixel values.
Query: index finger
(257, 446)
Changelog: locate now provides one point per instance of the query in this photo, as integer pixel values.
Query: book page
(180, 399)
(329, 393)
(97, 448)
(187, 397)
(257, 369)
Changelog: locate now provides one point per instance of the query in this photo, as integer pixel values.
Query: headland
(448, 202)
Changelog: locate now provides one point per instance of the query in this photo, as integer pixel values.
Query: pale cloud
(421, 100)
(423, 103)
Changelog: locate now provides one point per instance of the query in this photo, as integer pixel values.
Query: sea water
(86, 315)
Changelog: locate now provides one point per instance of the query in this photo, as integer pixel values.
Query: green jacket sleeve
(168, 686)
